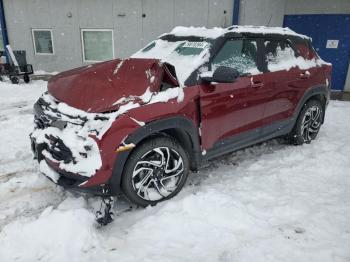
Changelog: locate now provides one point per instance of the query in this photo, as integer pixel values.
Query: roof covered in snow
(217, 31)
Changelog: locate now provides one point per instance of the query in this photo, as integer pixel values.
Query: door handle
(257, 84)
(304, 75)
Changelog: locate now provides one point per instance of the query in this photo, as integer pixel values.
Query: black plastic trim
(249, 138)
(313, 91)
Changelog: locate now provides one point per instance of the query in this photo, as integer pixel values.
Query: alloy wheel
(158, 173)
(311, 123)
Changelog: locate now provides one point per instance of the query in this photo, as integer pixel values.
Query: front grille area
(62, 136)
(59, 150)
(42, 121)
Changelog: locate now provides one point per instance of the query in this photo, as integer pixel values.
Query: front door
(229, 109)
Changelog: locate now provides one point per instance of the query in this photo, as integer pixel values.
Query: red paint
(97, 87)
(226, 109)
(124, 126)
(230, 108)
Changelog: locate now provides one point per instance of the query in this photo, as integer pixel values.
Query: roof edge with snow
(216, 32)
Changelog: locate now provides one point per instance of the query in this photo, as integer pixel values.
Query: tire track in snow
(7, 176)
(10, 199)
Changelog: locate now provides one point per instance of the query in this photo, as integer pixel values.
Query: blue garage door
(322, 29)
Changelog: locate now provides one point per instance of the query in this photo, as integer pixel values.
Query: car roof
(216, 32)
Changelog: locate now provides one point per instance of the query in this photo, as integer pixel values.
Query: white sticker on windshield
(201, 45)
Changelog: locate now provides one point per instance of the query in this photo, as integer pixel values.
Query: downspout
(5, 38)
(235, 16)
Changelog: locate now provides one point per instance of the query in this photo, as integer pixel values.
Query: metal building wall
(262, 12)
(300, 7)
(131, 29)
(296, 7)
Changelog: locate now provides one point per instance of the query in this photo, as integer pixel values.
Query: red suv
(137, 126)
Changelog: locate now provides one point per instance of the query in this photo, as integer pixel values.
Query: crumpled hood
(105, 86)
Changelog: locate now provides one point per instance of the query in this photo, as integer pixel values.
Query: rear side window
(304, 48)
(279, 54)
(240, 54)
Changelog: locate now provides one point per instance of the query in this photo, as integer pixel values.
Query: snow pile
(16, 119)
(61, 234)
(270, 202)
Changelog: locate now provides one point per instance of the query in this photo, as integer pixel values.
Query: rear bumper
(67, 180)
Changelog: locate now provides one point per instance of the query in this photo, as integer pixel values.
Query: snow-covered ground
(270, 202)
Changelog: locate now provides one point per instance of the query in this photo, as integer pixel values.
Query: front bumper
(68, 180)
(78, 148)
(65, 148)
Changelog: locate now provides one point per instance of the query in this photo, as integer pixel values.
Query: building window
(97, 45)
(42, 39)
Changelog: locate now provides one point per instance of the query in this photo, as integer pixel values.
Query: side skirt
(249, 138)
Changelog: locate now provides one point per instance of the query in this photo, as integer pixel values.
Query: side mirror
(222, 74)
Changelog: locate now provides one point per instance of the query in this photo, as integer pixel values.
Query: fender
(147, 130)
(312, 91)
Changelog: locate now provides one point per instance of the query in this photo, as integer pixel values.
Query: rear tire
(308, 123)
(155, 171)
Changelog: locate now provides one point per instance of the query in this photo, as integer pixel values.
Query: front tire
(155, 171)
(308, 123)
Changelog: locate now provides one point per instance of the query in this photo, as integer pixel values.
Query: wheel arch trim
(178, 122)
(311, 92)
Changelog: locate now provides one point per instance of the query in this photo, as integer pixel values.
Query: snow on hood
(99, 87)
(98, 123)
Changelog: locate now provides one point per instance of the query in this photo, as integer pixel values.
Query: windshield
(185, 55)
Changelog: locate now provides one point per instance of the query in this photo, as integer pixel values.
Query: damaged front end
(65, 143)
(81, 123)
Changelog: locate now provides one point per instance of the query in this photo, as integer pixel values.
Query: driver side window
(240, 54)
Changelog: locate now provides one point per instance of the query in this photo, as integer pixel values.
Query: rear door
(229, 109)
(284, 81)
